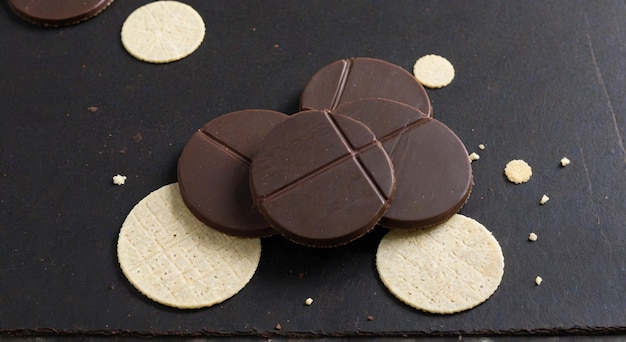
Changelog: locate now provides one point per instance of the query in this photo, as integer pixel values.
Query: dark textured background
(534, 80)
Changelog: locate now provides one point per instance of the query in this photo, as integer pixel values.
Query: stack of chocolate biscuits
(364, 150)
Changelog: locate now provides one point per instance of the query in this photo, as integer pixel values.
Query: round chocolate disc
(213, 171)
(433, 171)
(352, 79)
(57, 12)
(321, 179)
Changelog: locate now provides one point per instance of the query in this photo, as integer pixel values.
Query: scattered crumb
(532, 237)
(308, 301)
(538, 280)
(119, 179)
(137, 137)
(518, 171)
(278, 326)
(92, 109)
(473, 156)
(544, 199)
(370, 318)
(565, 161)
(481, 146)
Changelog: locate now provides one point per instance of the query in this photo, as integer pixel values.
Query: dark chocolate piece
(352, 79)
(213, 171)
(57, 12)
(321, 179)
(433, 171)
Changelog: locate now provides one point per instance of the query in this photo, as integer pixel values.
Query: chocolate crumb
(137, 137)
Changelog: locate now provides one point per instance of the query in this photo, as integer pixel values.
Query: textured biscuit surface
(162, 32)
(176, 260)
(444, 269)
(518, 171)
(433, 71)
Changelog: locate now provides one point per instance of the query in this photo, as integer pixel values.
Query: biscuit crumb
(473, 156)
(481, 146)
(370, 318)
(278, 326)
(137, 137)
(538, 280)
(565, 162)
(119, 180)
(518, 171)
(532, 237)
(544, 199)
(308, 301)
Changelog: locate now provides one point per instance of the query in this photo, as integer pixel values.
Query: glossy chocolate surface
(213, 171)
(57, 12)
(433, 172)
(351, 79)
(321, 179)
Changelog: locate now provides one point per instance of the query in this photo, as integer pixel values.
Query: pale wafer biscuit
(433, 71)
(162, 32)
(444, 269)
(518, 171)
(176, 260)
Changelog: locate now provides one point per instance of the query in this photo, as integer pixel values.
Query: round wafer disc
(162, 32)
(433, 71)
(444, 269)
(176, 260)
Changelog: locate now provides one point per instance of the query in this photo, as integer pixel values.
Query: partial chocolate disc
(352, 79)
(321, 179)
(434, 175)
(57, 12)
(213, 171)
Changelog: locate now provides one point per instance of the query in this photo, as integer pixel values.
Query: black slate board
(535, 81)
